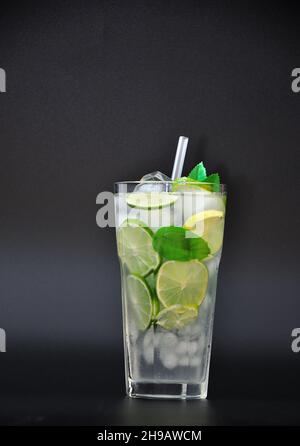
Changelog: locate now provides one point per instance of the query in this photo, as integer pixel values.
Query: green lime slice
(135, 248)
(208, 225)
(150, 200)
(139, 300)
(182, 283)
(176, 317)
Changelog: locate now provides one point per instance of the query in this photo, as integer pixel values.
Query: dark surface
(87, 388)
(99, 92)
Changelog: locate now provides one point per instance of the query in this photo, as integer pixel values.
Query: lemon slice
(182, 283)
(210, 226)
(186, 184)
(140, 302)
(176, 317)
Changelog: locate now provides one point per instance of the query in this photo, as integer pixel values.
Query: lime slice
(135, 248)
(176, 317)
(209, 225)
(182, 283)
(150, 200)
(139, 300)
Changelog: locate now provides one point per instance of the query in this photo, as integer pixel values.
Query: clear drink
(169, 246)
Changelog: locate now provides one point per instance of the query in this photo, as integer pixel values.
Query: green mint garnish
(214, 180)
(177, 243)
(198, 173)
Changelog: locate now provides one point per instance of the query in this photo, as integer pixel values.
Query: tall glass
(169, 240)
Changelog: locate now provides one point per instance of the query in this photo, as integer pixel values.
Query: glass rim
(222, 185)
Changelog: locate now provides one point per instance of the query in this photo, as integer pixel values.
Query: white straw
(179, 158)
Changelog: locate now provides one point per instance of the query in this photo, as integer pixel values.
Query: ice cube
(149, 354)
(213, 201)
(169, 340)
(185, 332)
(150, 342)
(194, 202)
(148, 339)
(191, 331)
(193, 347)
(168, 343)
(182, 348)
(184, 361)
(169, 360)
(153, 176)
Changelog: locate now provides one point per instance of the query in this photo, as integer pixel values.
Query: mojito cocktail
(169, 240)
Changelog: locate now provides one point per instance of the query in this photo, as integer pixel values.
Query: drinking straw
(179, 157)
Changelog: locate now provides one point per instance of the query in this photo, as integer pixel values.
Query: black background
(98, 92)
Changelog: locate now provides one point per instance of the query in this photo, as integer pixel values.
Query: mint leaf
(214, 179)
(177, 243)
(198, 173)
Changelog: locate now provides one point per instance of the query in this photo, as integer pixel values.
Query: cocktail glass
(169, 245)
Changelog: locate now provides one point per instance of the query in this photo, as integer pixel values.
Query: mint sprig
(177, 243)
(198, 173)
(214, 180)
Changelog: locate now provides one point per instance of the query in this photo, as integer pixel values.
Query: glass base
(163, 390)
